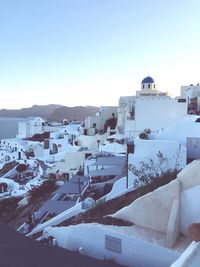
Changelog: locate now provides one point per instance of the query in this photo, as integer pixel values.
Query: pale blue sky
(90, 52)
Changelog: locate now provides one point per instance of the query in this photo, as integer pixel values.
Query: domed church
(149, 108)
(149, 88)
(148, 83)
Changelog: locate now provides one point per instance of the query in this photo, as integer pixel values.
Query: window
(62, 196)
(54, 196)
(181, 100)
(149, 85)
(143, 86)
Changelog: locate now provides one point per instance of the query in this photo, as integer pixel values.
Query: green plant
(148, 171)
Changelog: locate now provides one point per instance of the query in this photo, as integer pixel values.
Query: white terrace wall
(190, 208)
(190, 257)
(190, 175)
(91, 141)
(111, 245)
(153, 209)
(161, 112)
(72, 160)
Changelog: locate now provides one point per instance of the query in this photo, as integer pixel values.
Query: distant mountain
(34, 111)
(72, 113)
(51, 112)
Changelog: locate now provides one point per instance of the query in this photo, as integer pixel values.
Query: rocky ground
(15, 215)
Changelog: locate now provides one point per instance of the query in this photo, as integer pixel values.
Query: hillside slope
(34, 111)
(52, 112)
(72, 113)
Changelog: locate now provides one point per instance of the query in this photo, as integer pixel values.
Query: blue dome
(148, 79)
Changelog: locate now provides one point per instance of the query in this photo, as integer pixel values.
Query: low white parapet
(190, 257)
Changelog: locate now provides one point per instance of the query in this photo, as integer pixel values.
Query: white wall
(11, 145)
(91, 141)
(10, 149)
(6, 157)
(134, 251)
(190, 257)
(126, 103)
(91, 120)
(152, 210)
(11, 184)
(119, 188)
(23, 129)
(190, 208)
(147, 150)
(70, 164)
(55, 135)
(106, 113)
(130, 129)
(180, 131)
(39, 151)
(183, 90)
(158, 112)
(29, 127)
(36, 126)
(190, 176)
(62, 143)
(193, 91)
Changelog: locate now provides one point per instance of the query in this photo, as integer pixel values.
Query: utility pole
(130, 149)
(126, 168)
(79, 187)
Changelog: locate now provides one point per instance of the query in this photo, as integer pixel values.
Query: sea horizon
(9, 127)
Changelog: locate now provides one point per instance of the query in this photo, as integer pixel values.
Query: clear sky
(90, 52)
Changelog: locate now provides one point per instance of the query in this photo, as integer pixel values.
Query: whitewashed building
(30, 126)
(187, 133)
(93, 124)
(192, 93)
(150, 108)
(126, 113)
(11, 149)
(156, 238)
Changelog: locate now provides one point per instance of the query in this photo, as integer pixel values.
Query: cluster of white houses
(144, 127)
(150, 110)
(67, 145)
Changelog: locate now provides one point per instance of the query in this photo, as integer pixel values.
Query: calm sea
(9, 127)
